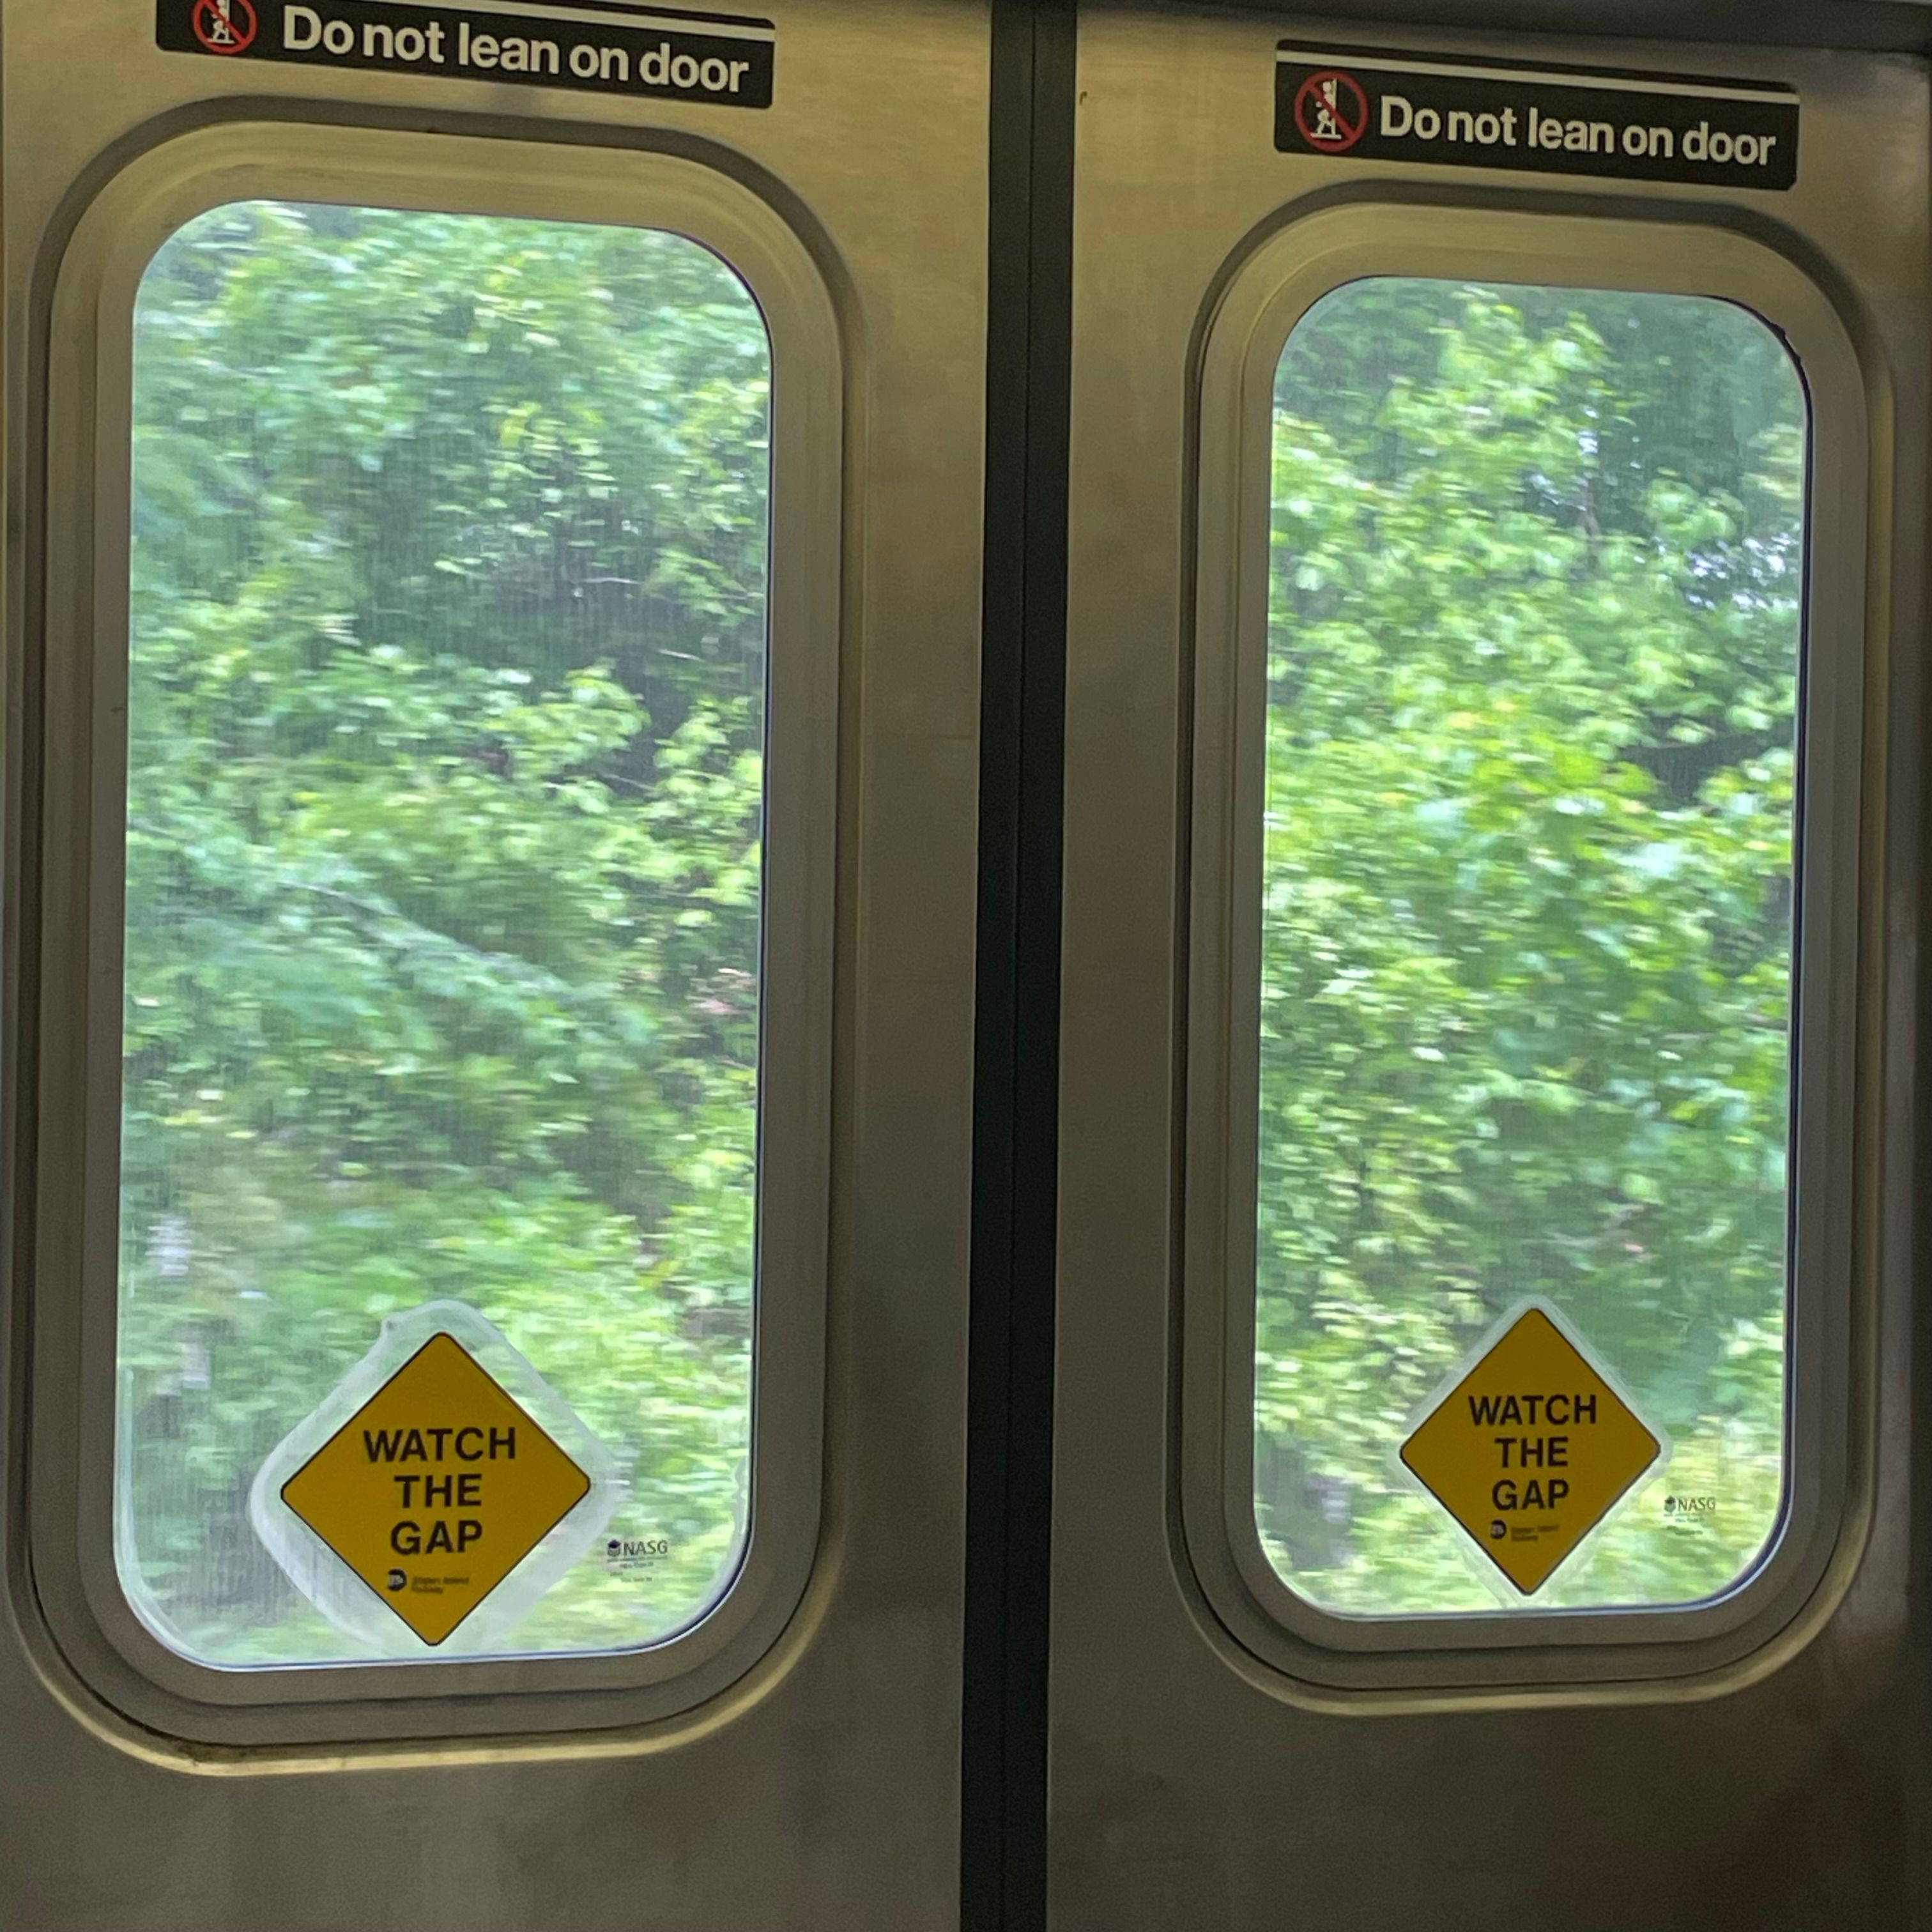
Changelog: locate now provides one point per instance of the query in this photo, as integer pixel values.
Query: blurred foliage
(1532, 667)
(446, 717)
(443, 864)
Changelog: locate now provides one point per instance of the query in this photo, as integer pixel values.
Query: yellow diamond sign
(436, 1489)
(1530, 1450)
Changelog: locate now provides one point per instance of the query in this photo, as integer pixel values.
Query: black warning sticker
(1382, 106)
(603, 48)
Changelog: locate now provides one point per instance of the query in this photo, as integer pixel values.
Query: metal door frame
(87, 349)
(1381, 230)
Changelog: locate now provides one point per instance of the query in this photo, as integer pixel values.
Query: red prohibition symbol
(1330, 109)
(224, 26)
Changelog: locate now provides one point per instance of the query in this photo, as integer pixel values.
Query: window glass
(1533, 636)
(446, 719)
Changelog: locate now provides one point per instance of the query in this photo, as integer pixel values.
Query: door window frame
(72, 1111)
(1272, 282)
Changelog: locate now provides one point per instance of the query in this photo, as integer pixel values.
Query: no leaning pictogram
(224, 26)
(1331, 110)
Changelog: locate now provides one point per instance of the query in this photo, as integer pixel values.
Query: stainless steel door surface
(1249, 1732)
(791, 1757)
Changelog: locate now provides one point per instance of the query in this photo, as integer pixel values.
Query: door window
(445, 819)
(1532, 736)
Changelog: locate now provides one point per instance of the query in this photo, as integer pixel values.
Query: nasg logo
(639, 1552)
(1686, 1509)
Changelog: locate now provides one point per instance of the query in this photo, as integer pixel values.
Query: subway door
(1488, 1227)
(493, 642)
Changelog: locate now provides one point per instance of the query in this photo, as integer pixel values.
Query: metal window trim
(74, 1279)
(1558, 1655)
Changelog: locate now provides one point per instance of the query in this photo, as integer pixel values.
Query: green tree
(446, 719)
(444, 818)
(1532, 674)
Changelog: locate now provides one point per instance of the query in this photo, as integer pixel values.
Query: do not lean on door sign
(1470, 112)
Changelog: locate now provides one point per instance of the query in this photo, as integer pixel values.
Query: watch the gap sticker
(1382, 106)
(604, 47)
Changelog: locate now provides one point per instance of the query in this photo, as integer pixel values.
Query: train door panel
(1482, 1479)
(491, 882)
